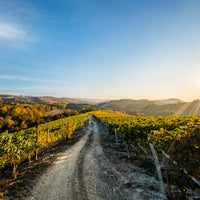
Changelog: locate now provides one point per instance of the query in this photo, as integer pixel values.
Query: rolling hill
(144, 107)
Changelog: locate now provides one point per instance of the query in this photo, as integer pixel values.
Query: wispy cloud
(46, 88)
(12, 32)
(35, 90)
(22, 78)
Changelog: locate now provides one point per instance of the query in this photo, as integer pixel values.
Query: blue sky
(103, 49)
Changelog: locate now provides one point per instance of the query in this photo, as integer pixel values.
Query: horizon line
(96, 98)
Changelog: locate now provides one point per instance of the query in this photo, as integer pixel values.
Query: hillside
(21, 112)
(43, 99)
(144, 107)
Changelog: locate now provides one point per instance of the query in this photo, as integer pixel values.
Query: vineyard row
(19, 146)
(176, 137)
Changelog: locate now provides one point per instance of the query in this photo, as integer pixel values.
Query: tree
(8, 122)
(17, 111)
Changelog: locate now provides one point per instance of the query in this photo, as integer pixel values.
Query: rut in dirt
(84, 172)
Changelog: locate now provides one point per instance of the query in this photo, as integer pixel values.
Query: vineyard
(173, 144)
(26, 144)
(176, 140)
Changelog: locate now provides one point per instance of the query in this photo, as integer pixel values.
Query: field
(171, 142)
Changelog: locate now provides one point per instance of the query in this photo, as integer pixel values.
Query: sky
(103, 49)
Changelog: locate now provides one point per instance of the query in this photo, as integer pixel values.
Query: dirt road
(84, 172)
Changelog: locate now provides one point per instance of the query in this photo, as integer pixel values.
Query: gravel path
(84, 172)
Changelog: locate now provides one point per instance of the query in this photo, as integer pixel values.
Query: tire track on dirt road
(80, 163)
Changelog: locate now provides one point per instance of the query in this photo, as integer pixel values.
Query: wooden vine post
(168, 189)
(14, 170)
(67, 132)
(47, 140)
(29, 154)
(162, 186)
(36, 152)
(63, 137)
(29, 158)
(107, 128)
(129, 154)
(107, 131)
(116, 137)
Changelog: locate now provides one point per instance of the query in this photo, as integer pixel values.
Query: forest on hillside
(16, 115)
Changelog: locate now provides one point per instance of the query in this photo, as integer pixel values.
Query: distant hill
(144, 107)
(167, 101)
(44, 99)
